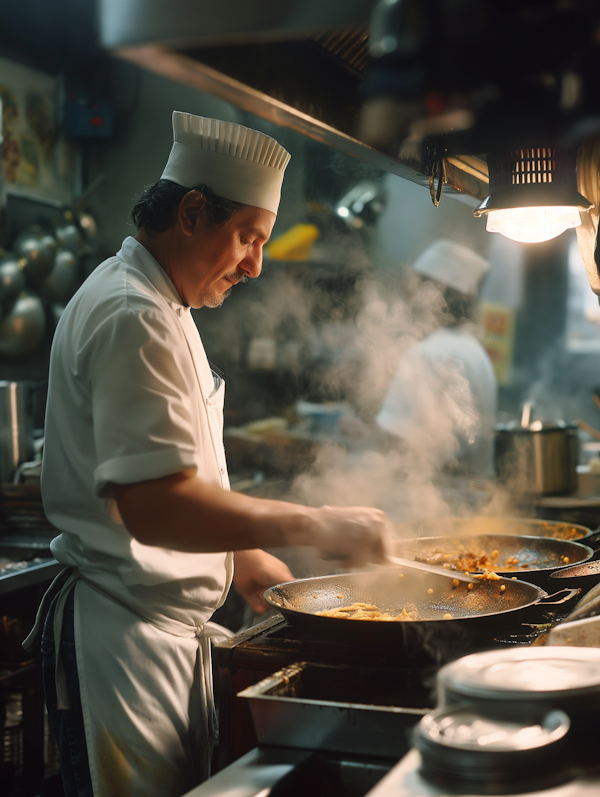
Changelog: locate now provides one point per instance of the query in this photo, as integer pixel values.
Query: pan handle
(593, 540)
(569, 593)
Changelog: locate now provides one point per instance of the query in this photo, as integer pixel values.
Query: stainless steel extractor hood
(301, 64)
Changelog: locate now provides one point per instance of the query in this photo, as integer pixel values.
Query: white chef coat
(131, 398)
(444, 395)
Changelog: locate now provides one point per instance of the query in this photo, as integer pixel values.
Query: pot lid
(512, 672)
(466, 752)
(464, 728)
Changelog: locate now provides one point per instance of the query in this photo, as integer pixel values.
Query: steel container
(540, 459)
(511, 683)
(16, 433)
(309, 706)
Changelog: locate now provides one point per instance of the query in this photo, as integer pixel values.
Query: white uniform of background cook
(132, 397)
(417, 396)
(444, 393)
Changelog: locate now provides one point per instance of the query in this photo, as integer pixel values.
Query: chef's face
(217, 257)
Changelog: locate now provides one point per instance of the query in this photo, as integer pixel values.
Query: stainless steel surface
(68, 235)
(22, 328)
(193, 21)
(190, 72)
(16, 433)
(12, 279)
(232, 53)
(34, 573)
(462, 727)
(531, 559)
(538, 459)
(285, 715)
(425, 568)
(36, 247)
(405, 780)
(253, 775)
(538, 674)
(490, 524)
(464, 750)
(451, 619)
(60, 283)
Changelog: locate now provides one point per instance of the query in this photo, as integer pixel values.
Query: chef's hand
(353, 535)
(254, 572)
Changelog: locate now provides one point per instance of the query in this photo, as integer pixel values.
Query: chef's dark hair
(156, 207)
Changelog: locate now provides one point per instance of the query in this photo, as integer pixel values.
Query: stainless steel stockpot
(537, 459)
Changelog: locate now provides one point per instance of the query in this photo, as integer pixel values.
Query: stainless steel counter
(252, 775)
(34, 572)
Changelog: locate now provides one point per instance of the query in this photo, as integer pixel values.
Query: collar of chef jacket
(136, 255)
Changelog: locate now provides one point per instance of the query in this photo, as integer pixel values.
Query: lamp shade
(533, 194)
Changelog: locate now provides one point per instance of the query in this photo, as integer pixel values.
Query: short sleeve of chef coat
(141, 378)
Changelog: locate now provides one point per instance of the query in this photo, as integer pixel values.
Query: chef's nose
(251, 265)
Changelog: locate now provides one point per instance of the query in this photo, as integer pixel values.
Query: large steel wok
(484, 524)
(478, 616)
(531, 559)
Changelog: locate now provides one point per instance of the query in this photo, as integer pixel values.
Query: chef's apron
(146, 687)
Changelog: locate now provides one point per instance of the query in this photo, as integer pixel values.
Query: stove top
(262, 650)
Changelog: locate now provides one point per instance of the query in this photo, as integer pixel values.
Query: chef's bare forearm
(187, 514)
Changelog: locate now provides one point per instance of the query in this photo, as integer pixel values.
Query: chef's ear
(192, 209)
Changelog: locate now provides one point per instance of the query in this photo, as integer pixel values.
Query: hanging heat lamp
(533, 194)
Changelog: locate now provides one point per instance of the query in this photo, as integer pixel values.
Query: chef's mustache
(236, 278)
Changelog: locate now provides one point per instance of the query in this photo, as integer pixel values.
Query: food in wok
(369, 611)
(469, 560)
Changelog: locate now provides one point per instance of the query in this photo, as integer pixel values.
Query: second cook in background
(450, 362)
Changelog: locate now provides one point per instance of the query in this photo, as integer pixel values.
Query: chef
(440, 365)
(134, 477)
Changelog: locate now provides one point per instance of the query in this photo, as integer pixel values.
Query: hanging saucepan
(60, 284)
(22, 327)
(530, 559)
(75, 230)
(36, 247)
(451, 619)
(12, 279)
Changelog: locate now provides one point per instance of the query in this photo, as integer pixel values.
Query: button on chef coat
(131, 398)
(429, 373)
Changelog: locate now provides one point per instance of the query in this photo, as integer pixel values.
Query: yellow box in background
(498, 326)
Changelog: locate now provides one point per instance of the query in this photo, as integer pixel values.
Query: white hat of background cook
(454, 265)
(234, 161)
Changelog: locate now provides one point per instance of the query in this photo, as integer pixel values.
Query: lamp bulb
(533, 225)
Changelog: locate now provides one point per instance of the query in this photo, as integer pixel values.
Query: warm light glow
(532, 225)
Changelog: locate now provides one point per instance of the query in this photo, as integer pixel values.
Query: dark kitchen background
(550, 354)
(309, 349)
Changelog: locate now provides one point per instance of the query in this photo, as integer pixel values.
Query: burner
(264, 649)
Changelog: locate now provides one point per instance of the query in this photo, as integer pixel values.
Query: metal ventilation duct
(300, 64)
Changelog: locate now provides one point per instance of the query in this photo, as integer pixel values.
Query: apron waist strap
(210, 631)
(63, 700)
(33, 638)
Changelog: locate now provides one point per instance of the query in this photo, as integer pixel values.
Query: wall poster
(36, 160)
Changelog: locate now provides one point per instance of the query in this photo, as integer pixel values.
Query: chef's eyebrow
(258, 232)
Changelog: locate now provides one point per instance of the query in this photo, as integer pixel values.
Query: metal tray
(330, 708)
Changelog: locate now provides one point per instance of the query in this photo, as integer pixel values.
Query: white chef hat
(235, 162)
(454, 265)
